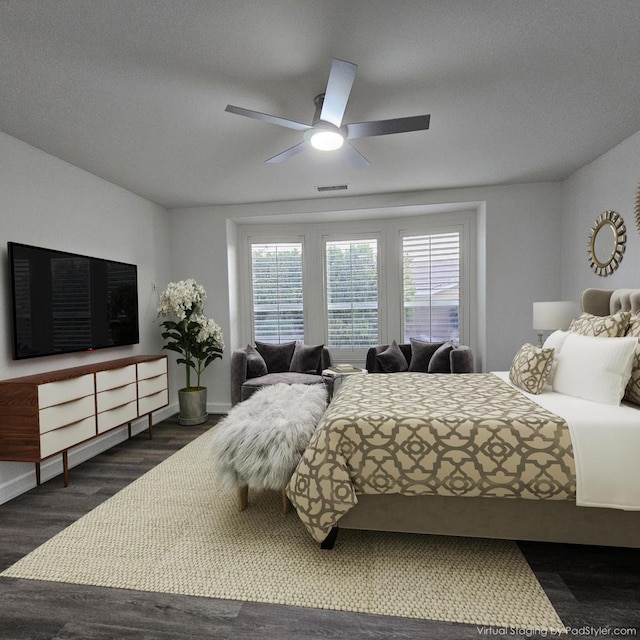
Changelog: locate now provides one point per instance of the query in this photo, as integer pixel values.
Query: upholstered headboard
(604, 302)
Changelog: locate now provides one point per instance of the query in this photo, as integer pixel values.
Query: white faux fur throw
(262, 439)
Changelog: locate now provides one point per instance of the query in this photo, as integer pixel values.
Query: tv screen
(63, 302)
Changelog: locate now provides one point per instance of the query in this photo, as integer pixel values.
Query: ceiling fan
(327, 131)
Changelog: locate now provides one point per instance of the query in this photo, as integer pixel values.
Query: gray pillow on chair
(276, 356)
(307, 358)
(256, 366)
(440, 361)
(392, 359)
(421, 354)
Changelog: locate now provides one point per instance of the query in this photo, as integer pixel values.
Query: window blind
(352, 293)
(431, 287)
(277, 291)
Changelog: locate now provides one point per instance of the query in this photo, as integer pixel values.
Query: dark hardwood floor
(592, 588)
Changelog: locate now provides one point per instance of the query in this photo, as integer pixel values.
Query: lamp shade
(549, 316)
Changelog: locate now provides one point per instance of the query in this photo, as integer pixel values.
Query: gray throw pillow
(392, 359)
(256, 366)
(421, 354)
(440, 361)
(307, 358)
(276, 356)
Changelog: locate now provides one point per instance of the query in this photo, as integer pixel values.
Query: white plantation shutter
(431, 287)
(277, 291)
(352, 293)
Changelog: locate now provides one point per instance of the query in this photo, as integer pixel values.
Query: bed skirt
(512, 519)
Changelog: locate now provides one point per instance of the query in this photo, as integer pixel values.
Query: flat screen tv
(63, 302)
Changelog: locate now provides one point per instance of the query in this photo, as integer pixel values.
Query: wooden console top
(74, 372)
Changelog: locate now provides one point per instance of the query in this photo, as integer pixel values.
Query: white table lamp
(549, 316)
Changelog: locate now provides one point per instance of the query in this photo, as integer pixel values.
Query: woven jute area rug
(175, 531)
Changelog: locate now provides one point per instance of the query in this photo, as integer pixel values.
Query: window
(277, 291)
(351, 293)
(431, 287)
(353, 284)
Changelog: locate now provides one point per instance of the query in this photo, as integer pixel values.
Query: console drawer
(116, 397)
(151, 385)
(113, 378)
(60, 415)
(151, 403)
(61, 439)
(152, 368)
(62, 391)
(118, 416)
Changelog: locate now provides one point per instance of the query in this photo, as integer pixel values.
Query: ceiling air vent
(332, 187)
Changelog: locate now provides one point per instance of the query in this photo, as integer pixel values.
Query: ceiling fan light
(326, 140)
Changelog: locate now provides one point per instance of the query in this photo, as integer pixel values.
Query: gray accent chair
(243, 385)
(460, 358)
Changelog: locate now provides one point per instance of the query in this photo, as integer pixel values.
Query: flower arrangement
(196, 338)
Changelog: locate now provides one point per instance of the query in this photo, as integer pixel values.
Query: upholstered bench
(262, 439)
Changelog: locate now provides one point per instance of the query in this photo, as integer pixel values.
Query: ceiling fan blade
(305, 144)
(283, 122)
(385, 127)
(353, 156)
(339, 85)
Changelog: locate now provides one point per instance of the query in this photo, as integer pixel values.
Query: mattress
(606, 444)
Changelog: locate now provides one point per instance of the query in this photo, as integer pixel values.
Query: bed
(474, 455)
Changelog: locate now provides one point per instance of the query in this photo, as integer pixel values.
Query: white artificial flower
(208, 331)
(181, 297)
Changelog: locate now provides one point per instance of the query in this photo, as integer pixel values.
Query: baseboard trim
(218, 408)
(25, 478)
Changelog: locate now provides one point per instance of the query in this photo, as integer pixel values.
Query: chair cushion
(421, 354)
(288, 377)
(277, 356)
(256, 366)
(392, 359)
(307, 359)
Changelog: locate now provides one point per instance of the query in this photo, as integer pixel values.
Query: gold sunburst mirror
(607, 243)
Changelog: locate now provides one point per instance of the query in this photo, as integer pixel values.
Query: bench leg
(243, 497)
(286, 503)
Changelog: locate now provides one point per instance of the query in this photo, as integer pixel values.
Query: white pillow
(596, 369)
(555, 342)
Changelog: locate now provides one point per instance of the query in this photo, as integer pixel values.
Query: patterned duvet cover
(430, 434)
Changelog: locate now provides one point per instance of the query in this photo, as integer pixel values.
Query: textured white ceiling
(134, 91)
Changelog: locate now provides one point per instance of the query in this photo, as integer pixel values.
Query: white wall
(518, 232)
(608, 183)
(49, 203)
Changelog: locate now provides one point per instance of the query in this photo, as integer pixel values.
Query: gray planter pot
(193, 406)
